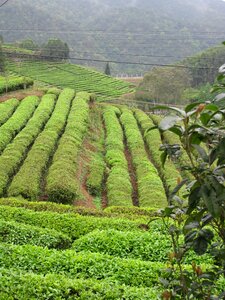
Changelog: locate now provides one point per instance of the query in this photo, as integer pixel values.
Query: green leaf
(164, 107)
(193, 199)
(163, 158)
(201, 151)
(177, 130)
(200, 245)
(168, 122)
(189, 107)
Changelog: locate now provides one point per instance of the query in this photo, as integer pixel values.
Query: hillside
(192, 80)
(142, 29)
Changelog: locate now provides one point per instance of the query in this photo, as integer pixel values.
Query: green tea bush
(21, 286)
(119, 188)
(18, 120)
(153, 246)
(7, 108)
(96, 174)
(80, 265)
(74, 226)
(14, 153)
(14, 83)
(62, 181)
(168, 173)
(54, 91)
(28, 180)
(22, 234)
(150, 188)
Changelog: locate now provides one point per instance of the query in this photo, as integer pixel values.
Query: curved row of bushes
(18, 120)
(14, 83)
(80, 265)
(20, 286)
(15, 152)
(27, 181)
(74, 225)
(153, 140)
(150, 188)
(62, 182)
(22, 234)
(119, 189)
(7, 108)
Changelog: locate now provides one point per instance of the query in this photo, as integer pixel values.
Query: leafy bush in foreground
(7, 108)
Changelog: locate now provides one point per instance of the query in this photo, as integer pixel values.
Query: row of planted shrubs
(168, 173)
(150, 188)
(22, 234)
(133, 272)
(27, 181)
(119, 188)
(62, 181)
(21, 285)
(7, 108)
(15, 152)
(14, 83)
(17, 121)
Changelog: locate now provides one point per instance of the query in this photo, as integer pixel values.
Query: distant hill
(156, 28)
(177, 84)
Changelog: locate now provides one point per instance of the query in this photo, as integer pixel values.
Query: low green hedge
(22, 234)
(153, 246)
(80, 265)
(21, 286)
(73, 225)
(7, 108)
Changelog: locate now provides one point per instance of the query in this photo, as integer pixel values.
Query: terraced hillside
(66, 148)
(73, 76)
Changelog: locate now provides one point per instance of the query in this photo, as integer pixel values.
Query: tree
(107, 69)
(55, 49)
(27, 44)
(199, 224)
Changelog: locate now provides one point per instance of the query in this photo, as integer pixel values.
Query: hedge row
(150, 188)
(119, 188)
(110, 212)
(7, 108)
(96, 174)
(18, 120)
(15, 152)
(12, 84)
(97, 165)
(153, 140)
(74, 226)
(62, 182)
(28, 180)
(20, 286)
(153, 246)
(22, 234)
(80, 265)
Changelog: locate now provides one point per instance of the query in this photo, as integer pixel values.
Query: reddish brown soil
(21, 94)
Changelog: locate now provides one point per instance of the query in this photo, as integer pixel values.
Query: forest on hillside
(119, 30)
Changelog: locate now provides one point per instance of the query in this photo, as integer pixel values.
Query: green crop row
(119, 188)
(73, 225)
(21, 286)
(27, 181)
(22, 234)
(153, 140)
(15, 152)
(7, 108)
(14, 83)
(110, 212)
(62, 182)
(96, 174)
(150, 187)
(80, 265)
(73, 76)
(18, 120)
